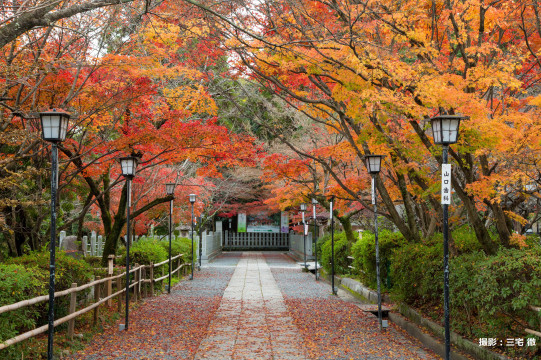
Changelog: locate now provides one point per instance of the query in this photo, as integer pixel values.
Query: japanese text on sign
(446, 184)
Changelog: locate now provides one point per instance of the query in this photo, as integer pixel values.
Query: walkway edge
(432, 343)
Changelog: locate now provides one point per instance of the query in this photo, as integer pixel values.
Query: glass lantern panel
(63, 127)
(50, 127)
(436, 131)
(449, 130)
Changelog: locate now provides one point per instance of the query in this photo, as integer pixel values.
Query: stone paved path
(252, 320)
(252, 306)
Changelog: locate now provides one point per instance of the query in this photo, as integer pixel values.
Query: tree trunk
(345, 221)
(112, 236)
(476, 223)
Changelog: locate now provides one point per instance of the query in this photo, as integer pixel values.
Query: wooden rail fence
(139, 278)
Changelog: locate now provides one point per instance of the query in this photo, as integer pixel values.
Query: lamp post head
(314, 201)
(192, 198)
(373, 163)
(128, 165)
(170, 188)
(54, 125)
(445, 128)
(303, 207)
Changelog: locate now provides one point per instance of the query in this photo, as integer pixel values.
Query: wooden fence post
(145, 286)
(135, 282)
(110, 282)
(151, 279)
(73, 304)
(119, 297)
(96, 299)
(140, 281)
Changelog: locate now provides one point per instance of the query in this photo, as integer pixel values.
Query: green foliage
(179, 246)
(18, 283)
(144, 252)
(341, 252)
(93, 261)
(464, 292)
(149, 250)
(364, 254)
(508, 283)
(416, 271)
(490, 294)
(464, 239)
(68, 270)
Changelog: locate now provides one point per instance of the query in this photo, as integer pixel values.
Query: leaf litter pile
(336, 329)
(166, 326)
(173, 326)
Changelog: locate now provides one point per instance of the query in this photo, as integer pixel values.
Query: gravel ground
(173, 326)
(166, 326)
(336, 329)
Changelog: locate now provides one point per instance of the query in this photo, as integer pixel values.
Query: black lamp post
(192, 201)
(170, 190)
(445, 132)
(200, 242)
(128, 165)
(373, 165)
(54, 126)
(303, 209)
(332, 245)
(314, 203)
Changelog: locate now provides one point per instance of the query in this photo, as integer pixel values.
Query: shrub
(341, 252)
(465, 240)
(417, 272)
(364, 254)
(18, 283)
(153, 250)
(489, 294)
(179, 246)
(68, 270)
(507, 283)
(144, 252)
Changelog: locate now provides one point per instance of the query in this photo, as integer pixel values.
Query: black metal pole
(315, 242)
(446, 266)
(377, 249)
(332, 249)
(191, 278)
(52, 245)
(304, 238)
(128, 193)
(170, 239)
(200, 241)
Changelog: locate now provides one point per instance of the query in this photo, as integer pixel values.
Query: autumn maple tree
(374, 72)
(140, 92)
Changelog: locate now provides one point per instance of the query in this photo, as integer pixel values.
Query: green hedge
(364, 254)
(415, 272)
(27, 277)
(68, 269)
(18, 283)
(341, 252)
(145, 251)
(489, 294)
(497, 290)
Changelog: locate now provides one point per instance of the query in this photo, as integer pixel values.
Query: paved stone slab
(252, 321)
